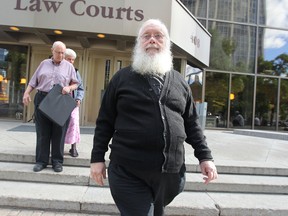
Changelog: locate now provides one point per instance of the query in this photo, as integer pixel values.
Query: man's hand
(66, 90)
(26, 99)
(98, 172)
(26, 96)
(209, 170)
(78, 103)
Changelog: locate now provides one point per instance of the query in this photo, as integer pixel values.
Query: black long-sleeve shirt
(148, 132)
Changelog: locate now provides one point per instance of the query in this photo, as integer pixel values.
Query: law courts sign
(118, 17)
(81, 8)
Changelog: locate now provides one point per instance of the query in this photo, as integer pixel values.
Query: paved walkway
(228, 149)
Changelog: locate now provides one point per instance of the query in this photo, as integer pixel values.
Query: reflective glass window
(233, 47)
(241, 101)
(283, 109)
(273, 13)
(13, 60)
(237, 11)
(266, 103)
(203, 22)
(273, 52)
(216, 96)
(107, 73)
(194, 77)
(197, 7)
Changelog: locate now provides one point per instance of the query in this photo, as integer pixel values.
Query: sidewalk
(239, 159)
(227, 148)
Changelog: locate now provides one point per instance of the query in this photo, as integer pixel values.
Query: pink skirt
(73, 131)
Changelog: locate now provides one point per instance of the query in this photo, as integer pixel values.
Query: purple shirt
(49, 73)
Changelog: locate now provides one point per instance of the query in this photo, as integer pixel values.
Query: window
(13, 60)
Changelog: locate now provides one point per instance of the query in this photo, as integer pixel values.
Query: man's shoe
(58, 168)
(38, 167)
(73, 152)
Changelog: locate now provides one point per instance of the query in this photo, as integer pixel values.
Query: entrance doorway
(13, 62)
(100, 70)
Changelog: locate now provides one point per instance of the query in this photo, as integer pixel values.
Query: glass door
(13, 61)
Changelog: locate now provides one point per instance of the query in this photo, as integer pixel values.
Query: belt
(42, 93)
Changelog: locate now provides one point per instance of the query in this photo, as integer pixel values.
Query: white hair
(161, 62)
(58, 43)
(155, 22)
(70, 52)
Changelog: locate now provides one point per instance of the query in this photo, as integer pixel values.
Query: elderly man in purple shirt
(50, 72)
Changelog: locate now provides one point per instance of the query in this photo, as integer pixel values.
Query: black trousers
(143, 192)
(47, 133)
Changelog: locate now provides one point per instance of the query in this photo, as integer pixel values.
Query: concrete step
(194, 182)
(96, 200)
(262, 133)
(9, 211)
(233, 167)
(238, 184)
(252, 180)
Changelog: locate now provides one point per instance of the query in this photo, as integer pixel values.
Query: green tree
(264, 67)
(219, 60)
(280, 65)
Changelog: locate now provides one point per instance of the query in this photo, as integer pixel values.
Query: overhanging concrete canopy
(119, 19)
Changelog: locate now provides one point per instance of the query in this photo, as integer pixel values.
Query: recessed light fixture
(100, 35)
(14, 28)
(22, 81)
(58, 32)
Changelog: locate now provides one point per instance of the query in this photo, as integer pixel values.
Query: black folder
(57, 106)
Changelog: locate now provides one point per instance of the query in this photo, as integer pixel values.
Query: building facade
(248, 70)
(233, 53)
(102, 32)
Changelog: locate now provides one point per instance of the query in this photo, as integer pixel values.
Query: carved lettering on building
(36, 5)
(82, 8)
(195, 40)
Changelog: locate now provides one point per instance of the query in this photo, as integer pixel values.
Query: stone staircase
(241, 190)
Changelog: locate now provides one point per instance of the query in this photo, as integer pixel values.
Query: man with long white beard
(149, 112)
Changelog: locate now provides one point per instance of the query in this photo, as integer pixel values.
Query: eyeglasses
(149, 36)
(58, 52)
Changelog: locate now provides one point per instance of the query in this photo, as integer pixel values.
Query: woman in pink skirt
(73, 131)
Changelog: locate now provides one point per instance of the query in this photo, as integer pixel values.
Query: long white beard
(157, 64)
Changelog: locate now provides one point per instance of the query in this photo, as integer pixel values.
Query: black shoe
(73, 152)
(58, 168)
(38, 167)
